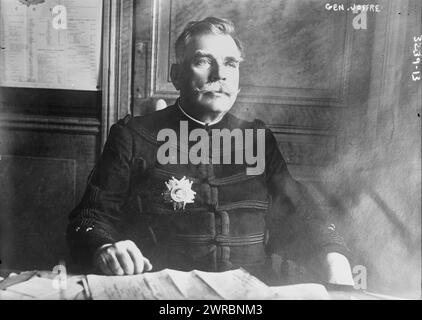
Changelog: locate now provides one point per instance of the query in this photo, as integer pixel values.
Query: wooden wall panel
(37, 193)
(305, 47)
(71, 141)
(44, 165)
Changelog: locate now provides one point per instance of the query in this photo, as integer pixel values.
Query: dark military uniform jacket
(236, 220)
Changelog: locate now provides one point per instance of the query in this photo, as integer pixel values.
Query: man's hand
(121, 258)
(339, 271)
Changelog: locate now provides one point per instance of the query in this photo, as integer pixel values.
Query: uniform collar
(198, 121)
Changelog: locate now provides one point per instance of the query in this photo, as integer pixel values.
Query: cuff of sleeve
(85, 241)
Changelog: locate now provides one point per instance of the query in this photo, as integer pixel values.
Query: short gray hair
(209, 25)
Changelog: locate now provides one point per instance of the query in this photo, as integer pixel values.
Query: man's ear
(175, 75)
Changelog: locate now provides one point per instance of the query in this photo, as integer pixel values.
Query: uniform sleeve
(298, 227)
(95, 221)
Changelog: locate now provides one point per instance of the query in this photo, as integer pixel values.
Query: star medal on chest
(179, 192)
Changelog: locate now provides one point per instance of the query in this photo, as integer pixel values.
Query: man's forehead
(219, 45)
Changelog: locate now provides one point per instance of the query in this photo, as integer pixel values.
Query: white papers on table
(148, 286)
(175, 285)
(41, 288)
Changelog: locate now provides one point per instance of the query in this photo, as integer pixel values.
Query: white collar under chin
(198, 121)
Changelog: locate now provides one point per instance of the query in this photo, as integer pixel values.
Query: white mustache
(216, 88)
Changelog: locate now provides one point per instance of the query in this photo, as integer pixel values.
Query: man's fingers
(125, 261)
(137, 258)
(114, 265)
(121, 258)
(141, 263)
(103, 265)
(147, 265)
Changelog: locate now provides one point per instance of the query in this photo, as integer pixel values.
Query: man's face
(209, 75)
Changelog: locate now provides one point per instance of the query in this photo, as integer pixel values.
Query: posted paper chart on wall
(53, 44)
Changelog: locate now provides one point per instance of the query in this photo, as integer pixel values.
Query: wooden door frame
(117, 60)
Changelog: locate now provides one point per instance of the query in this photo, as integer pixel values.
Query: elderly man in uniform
(141, 214)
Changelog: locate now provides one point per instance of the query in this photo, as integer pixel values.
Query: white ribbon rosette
(179, 192)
